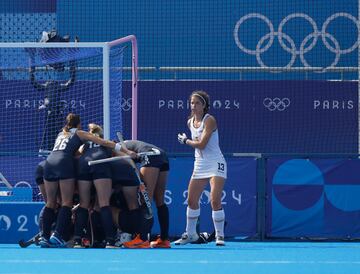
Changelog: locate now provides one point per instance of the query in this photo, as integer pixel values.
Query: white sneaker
(220, 241)
(122, 237)
(185, 239)
(125, 237)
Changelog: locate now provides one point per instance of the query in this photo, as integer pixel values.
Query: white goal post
(106, 48)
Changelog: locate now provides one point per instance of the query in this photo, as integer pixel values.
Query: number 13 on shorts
(221, 166)
(222, 169)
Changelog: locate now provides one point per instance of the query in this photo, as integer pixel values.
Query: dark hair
(72, 121)
(204, 97)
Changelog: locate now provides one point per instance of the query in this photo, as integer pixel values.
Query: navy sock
(48, 219)
(41, 218)
(146, 227)
(146, 224)
(81, 220)
(107, 222)
(63, 221)
(163, 216)
(134, 220)
(98, 230)
(135, 216)
(125, 222)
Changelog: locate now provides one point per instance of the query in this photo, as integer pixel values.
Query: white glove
(182, 138)
(117, 147)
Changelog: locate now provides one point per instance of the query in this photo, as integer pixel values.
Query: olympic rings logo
(123, 103)
(5, 222)
(290, 47)
(276, 103)
(126, 104)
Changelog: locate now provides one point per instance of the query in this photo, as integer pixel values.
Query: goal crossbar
(106, 46)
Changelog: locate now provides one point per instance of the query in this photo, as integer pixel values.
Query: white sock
(219, 221)
(192, 216)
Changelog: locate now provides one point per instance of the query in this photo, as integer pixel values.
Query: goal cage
(40, 83)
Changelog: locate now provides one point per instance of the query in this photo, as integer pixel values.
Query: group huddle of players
(108, 200)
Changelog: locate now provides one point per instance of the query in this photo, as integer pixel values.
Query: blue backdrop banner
(253, 116)
(18, 220)
(238, 198)
(313, 198)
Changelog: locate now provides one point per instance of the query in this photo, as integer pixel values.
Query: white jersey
(209, 161)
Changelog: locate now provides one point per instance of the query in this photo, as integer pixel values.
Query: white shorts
(204, 169)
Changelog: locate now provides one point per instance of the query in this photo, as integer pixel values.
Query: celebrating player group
(97, 196)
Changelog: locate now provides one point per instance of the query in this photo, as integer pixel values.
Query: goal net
(40, 83)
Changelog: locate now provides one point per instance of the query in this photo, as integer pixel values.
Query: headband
(202, 98)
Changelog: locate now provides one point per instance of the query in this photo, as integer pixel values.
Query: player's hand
(132, 154)
(117, 147)
(182, 138)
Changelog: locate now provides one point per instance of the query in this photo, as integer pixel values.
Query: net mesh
(282, 75)
(39, 87)
(252, 57)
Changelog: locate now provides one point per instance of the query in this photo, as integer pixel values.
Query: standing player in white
(209, 165)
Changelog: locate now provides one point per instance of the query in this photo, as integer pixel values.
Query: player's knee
(159, 199)
(51, 204)
(85, 204)
(216, 204)
(103, 200)
(67, 203)
(193, 204)
(159, 203)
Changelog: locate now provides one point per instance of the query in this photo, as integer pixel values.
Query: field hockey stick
(33, 240)
(44, 130)
(142, 188)
(117, 158)
(5, 182)
(212, 236)
(8, 192)
(92, 236)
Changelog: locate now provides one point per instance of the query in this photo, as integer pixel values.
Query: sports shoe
(98, 244)
(137, 242)
(220, 241)
(56, 240)
(203, 238)
(85, 242)
(160, 243)
(44, 243)
(185, 239)
(111, 244)
(77, 243)
(122, 237)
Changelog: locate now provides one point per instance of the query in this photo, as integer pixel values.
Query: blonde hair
(96, 130)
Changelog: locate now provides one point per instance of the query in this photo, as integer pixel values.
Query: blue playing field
(236, 257)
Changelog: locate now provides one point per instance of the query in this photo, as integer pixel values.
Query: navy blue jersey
(160, 161)
(60, 164)
(67, 143)
(93, 151)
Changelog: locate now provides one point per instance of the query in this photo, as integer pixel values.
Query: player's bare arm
(209, 127)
